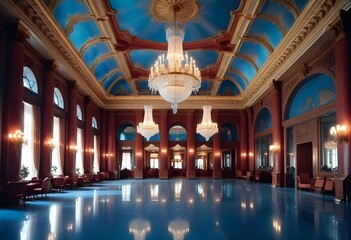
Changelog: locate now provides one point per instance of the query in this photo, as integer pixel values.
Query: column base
(276, 176)
(163, 174)
(138, 174)
(190, 174)
(217, 174)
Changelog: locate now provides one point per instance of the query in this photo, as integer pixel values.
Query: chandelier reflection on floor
(147, 128)
(176, 76)
(207, 128)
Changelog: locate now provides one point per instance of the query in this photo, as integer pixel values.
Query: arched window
(58, 99)
(229, 132)
(177, 133)
(29, 80)
(315, 91)
(126, 132)
(263, 123)
(79, 113)
(94, 123)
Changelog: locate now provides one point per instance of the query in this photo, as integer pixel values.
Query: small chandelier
(148, 128)
(17, 139)
(177, 76)
(207, 128)
(338, 134)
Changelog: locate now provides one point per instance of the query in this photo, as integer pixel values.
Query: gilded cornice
(304, 26)
(37, 13)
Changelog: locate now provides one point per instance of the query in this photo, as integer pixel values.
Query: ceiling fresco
(119, 40)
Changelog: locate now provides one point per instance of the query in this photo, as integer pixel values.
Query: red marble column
(191, 151)
(277, 135)
(88, 137)
(111, 144)
(47, 119)
(12, 118)
(343, 86)
(139, 163)
(342, 29)
(103, 142)
(71, 146)
(217, 156)
(164, 151)
(250, 130)
(243, 162)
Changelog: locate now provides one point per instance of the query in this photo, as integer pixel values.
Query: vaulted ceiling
(108, 46)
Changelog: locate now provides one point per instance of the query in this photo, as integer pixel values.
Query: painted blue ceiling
(272, 22)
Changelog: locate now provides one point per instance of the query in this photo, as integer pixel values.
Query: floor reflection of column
(178, 228)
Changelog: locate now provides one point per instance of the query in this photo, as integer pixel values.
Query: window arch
(263, 120)
(229, 132)
(94, 123)
(177, 133)
(58, 99)
(29, 80)
(79, 113)
(315, 91)
(126, 132)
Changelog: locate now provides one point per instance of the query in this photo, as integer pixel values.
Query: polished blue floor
(178, 209)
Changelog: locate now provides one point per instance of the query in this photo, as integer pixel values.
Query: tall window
(329, 159)
(96, 164)
(154, 160)
(27, 158)
(263, 157)
(79, 154)
(56, 153)
(126, 160)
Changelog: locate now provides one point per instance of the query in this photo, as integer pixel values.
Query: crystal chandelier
(148, 128)
(207, 128)
(176, 76)
(338, 134)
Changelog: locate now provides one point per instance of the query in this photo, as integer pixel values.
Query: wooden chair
(318, 185)
(329, 186)
(43, 190)
(304, 182)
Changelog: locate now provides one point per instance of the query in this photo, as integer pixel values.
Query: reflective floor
(178, 209)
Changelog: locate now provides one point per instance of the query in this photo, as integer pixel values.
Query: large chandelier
(207, 128)
(176, 76)
(147, 128)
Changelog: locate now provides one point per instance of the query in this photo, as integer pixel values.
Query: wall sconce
(274, 148)
(251, 154)
(51, 144)
(191, 150)
(73, 148)
(217, 154)
(164, 151)
(338, 134)
(243, 155)
(139, 154)
(17, 139)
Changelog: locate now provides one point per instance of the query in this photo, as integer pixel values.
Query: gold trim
(163, 10)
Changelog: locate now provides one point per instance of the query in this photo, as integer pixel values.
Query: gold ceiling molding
(75, 19)
(92, 42)
(163, 10)
(260, 40)
(275, 20)
(290, 4)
